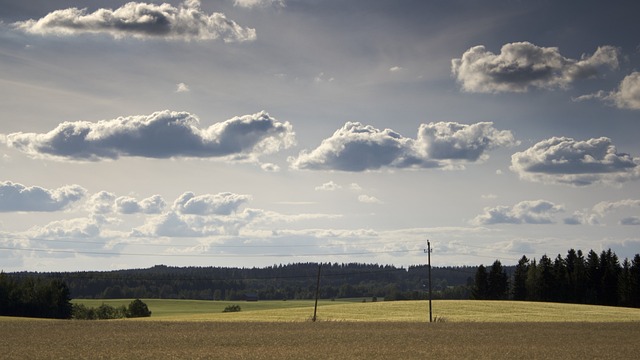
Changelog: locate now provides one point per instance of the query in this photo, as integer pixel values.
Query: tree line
(34, 297)
(277, 282)
(575, 278)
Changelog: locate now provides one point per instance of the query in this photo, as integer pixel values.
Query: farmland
(346, 329)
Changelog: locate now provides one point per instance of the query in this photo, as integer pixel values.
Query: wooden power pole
(315, 308)
(429, 267)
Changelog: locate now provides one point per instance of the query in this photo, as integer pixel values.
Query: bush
(137, 308)
(232, 308)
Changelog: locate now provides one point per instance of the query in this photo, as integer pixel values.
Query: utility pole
(315, 308)
(429, 267)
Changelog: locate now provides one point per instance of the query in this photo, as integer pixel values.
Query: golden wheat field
(479, 330)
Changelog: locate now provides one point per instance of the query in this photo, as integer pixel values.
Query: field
(354, 330)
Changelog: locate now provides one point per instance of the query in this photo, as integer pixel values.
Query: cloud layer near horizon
(523, 65)
(163, 134)
(358, 147)
(143, 21)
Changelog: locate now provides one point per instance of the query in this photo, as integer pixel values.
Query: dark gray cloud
(356, 147)
(141, 20)
(17, 197)
(524, 212)
(209, 204)
(163, 134)
(632, 220)
(564, 160)
(523, 65)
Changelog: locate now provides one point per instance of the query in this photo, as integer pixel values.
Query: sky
(250, 133)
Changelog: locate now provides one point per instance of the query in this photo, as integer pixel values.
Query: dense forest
(278, 282)
(34, 297)
(594, 279)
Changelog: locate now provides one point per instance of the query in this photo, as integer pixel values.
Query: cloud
(356, 147)
(182, 87)
(605, 207)
(328, 186)
(627, 96)
(78, 228)
(524, 212)
(258, 3)
(151, 205)
(17, 197)
(582, 218)
(163, 134)
(395, 69)
(562, 160)
(523, 65)
(269, 167)
(369, 199)
(632, 220)
(140, 20)
(209, 204)
(101, 202)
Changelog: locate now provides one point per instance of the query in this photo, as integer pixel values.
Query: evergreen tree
(497, 282)
(533, 291)
(560, 280)
(610, 267)
(634, 281)
(546, 279)
(519, 288)
(480, 289)
(624, 284)
(593, 279)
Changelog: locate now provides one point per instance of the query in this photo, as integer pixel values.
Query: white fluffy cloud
(523, 65)
(627, 96)
(328, 186)
(562, 160)
(524, 212)
(140, 20)
(129, 205)
(163, 134)
(17, 197)
(358, 147)
(209, 204)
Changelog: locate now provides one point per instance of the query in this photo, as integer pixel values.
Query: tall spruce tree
(480, 289)
(519, 287)
(497, 282)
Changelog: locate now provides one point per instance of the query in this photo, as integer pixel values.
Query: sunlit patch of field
(390, 311)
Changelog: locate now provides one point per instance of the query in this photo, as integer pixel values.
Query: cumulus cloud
(522, 65)
(328, 186)
(524, 212)
(17, 197)
(583, 217)
(358, 147)
(129, 205)
(369, 199)
(562, 160)
(140, 20)
(258, 3)
(101, 202)
(605, 207)
(182, 87)
(79, 228)
(209, 204)
(163, 134)
(627, 96)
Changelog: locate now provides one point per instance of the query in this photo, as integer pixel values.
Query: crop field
(353, 330)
